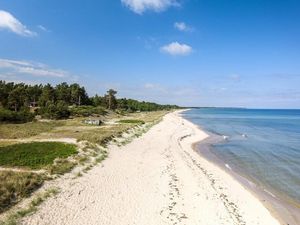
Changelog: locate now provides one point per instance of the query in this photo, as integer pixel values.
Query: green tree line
(61, 101)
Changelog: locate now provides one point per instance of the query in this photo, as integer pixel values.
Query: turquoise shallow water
(264, 145)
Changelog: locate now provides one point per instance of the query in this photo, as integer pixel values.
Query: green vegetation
(131, 105)
(16, 185)
(14, 131)
(61, 166)
(103, 135)
(16, 117)
(35, 155)
(21, 102)
(132, 121)
(87, 110)
(51, 110)
(14, 218)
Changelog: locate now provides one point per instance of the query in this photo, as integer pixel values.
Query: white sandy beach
(156, 179)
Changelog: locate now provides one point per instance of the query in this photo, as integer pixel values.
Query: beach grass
(14, 217)
(149, 117)
(25, 130)
(132, 121)
(104, 135)
(17, 185)
(61, 166)
(34, 155)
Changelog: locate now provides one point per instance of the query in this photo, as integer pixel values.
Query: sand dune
(156, 179)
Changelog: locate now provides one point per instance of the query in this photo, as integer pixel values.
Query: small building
(93, 121)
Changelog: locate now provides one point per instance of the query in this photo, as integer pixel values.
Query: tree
(4, 92)
(63, 92)
(111, 99)
(62, 110)
(55, 111)
(48, 95)
(122, 103)
(16, 98)
(33, 94)
(78, 94)
(55, 102)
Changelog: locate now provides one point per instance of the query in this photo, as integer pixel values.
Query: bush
(55, 111)
(15, 117)
(87, 111)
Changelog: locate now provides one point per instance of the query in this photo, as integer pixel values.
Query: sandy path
(156, 179)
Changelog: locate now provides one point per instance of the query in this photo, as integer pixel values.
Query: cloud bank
(177, 49)
(9, 22)
(35, 69)
(140, 6)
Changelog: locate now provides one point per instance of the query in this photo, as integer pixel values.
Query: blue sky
(240, 53)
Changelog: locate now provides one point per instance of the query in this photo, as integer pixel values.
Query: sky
(226, 53)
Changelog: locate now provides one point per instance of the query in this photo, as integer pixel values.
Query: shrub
(87, 111)
(55, 111)
(15, 117)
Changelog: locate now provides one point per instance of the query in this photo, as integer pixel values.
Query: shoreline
(156, 179)
(280, 208)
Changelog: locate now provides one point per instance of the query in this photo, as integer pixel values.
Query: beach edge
(281, 218)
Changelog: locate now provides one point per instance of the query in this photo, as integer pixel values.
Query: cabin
(93, 121)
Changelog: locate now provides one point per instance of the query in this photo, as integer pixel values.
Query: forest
(20, 102)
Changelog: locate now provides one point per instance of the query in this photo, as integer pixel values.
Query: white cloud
(9, 22)
(31, 68)
(181, 26)
(41, 27)
(140, 6)
(176, 48)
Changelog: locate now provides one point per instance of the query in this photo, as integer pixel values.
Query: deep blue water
(263, 144)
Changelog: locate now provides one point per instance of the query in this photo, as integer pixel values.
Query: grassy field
(15, 186)
(15, 131)
(35, 155)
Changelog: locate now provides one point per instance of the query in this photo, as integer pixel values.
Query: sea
(260, 145)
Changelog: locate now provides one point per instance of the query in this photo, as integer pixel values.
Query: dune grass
(102, 135)
(34, 155)
(132, 121)
(61, 166)
(17, 185)
(15, 217)
(25, 130)
(147, 117)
